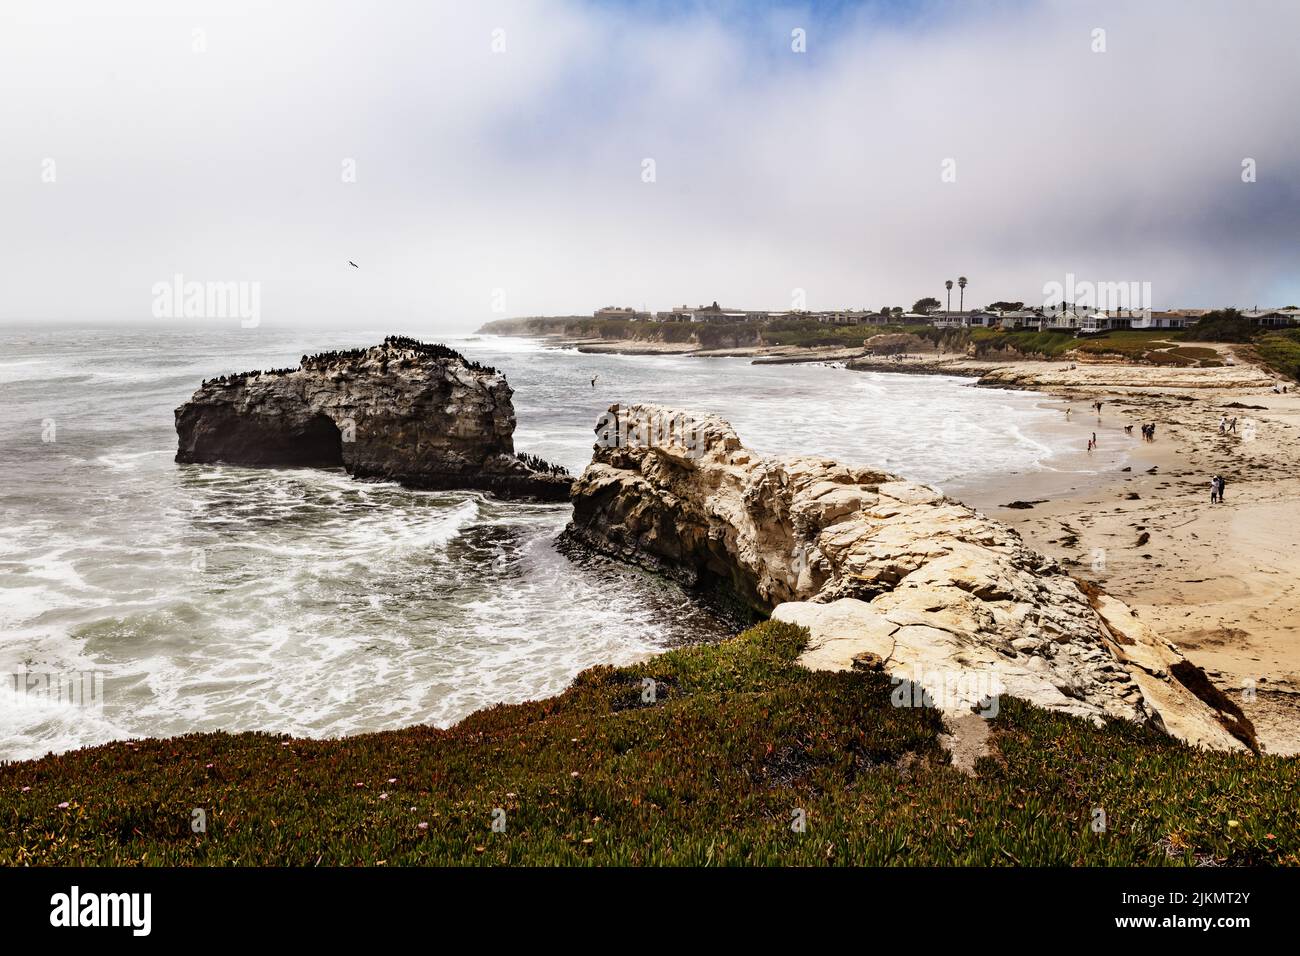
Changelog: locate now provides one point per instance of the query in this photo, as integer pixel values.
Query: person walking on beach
(1223, 424)
(1219, 479)
(1232, 424)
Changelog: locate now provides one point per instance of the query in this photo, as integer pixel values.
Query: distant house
(976, 318)
(846, 317)
(707, 313)
(1164, 320)
(622, 312)
(1272, 318)
(715, 313)
(1072, 320)
(1095, 322)
(680, 314)
(1017, 319)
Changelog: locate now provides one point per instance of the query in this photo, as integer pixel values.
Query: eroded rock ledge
(405, 411)
(885, 573)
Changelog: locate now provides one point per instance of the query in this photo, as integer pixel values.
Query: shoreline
(1215, 580)
(761, 354)
(1218, 581)
(1218, 588)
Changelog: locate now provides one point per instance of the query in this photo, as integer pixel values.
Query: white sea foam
(303, 601)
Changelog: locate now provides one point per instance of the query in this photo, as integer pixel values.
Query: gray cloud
(521, 171)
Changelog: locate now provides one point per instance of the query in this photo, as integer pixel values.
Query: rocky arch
(227, 434)
(319, 444)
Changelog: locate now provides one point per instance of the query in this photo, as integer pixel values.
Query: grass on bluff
(736, 740)
(1280, 350)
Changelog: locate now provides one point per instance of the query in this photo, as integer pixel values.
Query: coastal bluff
(419, 414)
(886, 574)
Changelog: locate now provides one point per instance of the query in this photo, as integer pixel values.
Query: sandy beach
(1218, 580)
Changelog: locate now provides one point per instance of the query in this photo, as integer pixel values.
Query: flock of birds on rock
(332, 359)
(400, 342)
(238, 378)
(542, 465)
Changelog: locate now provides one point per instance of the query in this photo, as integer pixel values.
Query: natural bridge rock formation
(418, 414)
(885, 573)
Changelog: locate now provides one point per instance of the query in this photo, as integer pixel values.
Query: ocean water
(296, 600)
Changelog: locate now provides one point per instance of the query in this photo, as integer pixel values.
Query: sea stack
(406, 411)
(886, 574)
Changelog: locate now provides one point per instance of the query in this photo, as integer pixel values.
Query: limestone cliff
(885, 573)
(419, 414)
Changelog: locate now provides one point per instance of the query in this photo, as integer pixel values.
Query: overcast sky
(500, 154)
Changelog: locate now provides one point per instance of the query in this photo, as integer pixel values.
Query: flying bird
(353, 264)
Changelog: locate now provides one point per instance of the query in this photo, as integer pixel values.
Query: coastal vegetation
(1278, 349)
(720, 754)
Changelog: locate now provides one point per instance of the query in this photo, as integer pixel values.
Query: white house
(1096, 322)
(1163, 320)
(1272, 318)
(973, 318)
(1070, 320)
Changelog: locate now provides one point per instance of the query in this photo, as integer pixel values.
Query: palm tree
(961, 295)
(948, 285)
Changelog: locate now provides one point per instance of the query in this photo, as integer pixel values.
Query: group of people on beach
(1148, 430)
(1226, 425)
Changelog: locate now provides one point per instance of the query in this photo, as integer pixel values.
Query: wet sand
(1221, 581)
